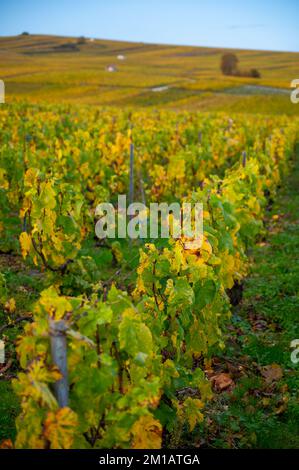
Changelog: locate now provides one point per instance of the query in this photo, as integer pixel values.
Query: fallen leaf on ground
(222, 381)
(272, 373)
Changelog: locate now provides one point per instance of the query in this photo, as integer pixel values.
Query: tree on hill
(81, 40)
(229, 64)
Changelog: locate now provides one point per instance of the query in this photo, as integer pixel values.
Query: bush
(254, 73)
(81, 40)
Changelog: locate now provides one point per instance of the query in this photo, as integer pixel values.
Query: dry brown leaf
(222, 381)
(6, 444)
(272, 373)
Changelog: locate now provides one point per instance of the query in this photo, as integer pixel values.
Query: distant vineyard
(134, 350)
(52, 69)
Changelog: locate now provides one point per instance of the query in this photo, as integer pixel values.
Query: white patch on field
(160, 88)
(111, 68)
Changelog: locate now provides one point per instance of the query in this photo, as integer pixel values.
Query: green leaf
(134, 337)
(100, 315)
(204, 293)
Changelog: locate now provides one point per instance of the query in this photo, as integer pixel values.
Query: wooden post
(59, 357)
(131, 191)
(244, 158)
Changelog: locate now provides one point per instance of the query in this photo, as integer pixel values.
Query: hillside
(39, 68)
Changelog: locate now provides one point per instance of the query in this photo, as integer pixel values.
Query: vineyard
(55, 69)
(115, 337)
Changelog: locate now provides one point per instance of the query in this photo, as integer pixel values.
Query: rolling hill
(42, 68)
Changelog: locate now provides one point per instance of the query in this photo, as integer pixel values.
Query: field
(147, 343)
(58, 69)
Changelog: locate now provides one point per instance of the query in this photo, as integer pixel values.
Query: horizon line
(153, 43)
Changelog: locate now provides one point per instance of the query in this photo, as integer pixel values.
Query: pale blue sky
(251, 24)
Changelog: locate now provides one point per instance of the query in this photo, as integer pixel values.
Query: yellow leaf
(54, 304)
(147, 433)
(10, 306)
(30, 178)
(60, 427)
(25, 242)
(192, 413)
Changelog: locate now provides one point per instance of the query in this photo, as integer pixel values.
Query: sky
(249, 24)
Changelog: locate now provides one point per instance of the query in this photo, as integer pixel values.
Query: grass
(39, 68)
(9, 410)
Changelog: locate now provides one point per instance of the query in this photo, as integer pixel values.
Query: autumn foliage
(131, 355)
